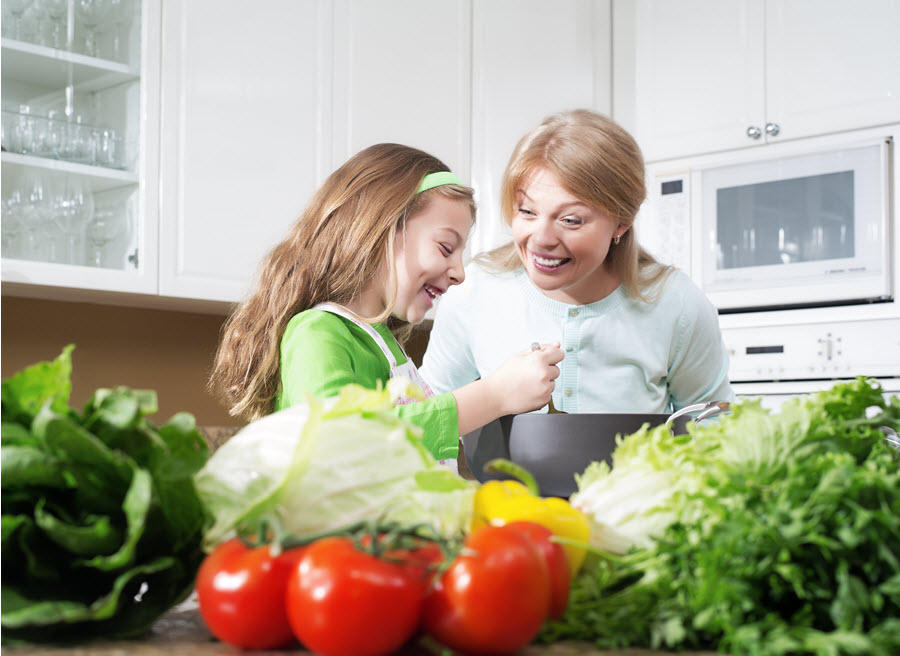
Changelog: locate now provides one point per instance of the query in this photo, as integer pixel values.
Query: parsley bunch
(788, 543)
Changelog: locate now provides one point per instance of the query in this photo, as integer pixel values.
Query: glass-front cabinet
(79, 143)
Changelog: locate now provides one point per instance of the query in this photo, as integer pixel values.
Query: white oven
(796, 243)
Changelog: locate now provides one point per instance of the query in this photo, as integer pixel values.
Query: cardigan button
(573, 312)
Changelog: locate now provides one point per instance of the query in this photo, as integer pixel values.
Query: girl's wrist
(495, 398)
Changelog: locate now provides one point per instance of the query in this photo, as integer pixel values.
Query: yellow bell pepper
(500, 502)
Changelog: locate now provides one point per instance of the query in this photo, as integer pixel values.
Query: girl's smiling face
(428, 254)
(563, 241)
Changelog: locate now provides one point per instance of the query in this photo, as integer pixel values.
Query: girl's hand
(524, 382)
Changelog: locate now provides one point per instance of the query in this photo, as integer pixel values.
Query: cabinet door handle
(754, 132)
(772, 129)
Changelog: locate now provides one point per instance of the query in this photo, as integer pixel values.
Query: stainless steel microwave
(796, 224)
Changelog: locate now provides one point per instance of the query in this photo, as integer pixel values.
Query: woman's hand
(524, 382)
(521, 384)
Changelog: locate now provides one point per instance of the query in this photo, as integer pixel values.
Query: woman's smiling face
(563, 241)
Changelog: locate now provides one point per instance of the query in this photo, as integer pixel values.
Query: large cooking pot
(555, 447)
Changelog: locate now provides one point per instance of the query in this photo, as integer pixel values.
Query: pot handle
(891, 437)
(705, 410)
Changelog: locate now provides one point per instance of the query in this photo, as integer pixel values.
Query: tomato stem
(267, 529)
(379, 538)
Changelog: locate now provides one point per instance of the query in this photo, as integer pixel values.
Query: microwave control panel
(664, 224)
(814, 351)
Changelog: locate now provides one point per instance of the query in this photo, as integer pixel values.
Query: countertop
(181, 632)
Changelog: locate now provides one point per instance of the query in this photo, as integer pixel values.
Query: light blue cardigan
(621, 354)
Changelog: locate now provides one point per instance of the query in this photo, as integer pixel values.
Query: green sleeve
(321, 352)
(437, 417)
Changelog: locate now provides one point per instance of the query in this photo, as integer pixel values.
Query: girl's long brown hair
(342, 240)
(599, 163)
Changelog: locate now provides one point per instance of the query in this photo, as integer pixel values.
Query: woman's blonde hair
(598, 162)
(343, 239)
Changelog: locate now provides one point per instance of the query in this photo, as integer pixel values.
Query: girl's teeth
(546, 262)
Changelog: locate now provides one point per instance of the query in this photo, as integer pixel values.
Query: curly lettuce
(764, 533)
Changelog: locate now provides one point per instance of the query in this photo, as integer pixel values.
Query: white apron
(408, 369)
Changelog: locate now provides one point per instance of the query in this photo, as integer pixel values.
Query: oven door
(772, 394)
(796, 231)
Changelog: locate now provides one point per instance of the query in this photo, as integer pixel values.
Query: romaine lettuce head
(321, 466)
(101, 524)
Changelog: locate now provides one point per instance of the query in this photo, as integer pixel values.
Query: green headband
(438, 179)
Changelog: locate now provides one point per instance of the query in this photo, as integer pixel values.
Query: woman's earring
(616, 240)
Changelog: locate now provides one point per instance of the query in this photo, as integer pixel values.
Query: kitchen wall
(170, 352)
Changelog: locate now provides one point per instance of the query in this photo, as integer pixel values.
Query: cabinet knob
(754, 132)
(772, 129)
(133, 258)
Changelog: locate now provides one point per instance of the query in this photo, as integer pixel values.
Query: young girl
(379, 242)
(638, 336)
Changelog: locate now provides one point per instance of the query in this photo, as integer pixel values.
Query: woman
(638, 336)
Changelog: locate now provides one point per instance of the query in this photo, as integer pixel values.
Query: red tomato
(557, 563)
(240, 591)
(344, 602)
(494, 596)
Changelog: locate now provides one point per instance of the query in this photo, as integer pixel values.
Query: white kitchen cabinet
(402, 71)
(246, 107)
(80, 158)
(714, 75)
(245, 135)
(528, 63)
(832, 65)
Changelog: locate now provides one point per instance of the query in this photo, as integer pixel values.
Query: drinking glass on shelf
(6, 131)
(11, 225)
(55, 12)
(36, 211)
(23, 131)
(49, 135)
(17, 10)
(92, 14)
(73, 210)
(107, 224)
(120, 15)
(107, 145)
(76, 143)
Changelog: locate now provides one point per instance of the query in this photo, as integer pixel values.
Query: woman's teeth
(549, 262)
(432, 292)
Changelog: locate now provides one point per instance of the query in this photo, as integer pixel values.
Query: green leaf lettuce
(101, 523)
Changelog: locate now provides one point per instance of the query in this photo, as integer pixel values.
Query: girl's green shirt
(321, 352)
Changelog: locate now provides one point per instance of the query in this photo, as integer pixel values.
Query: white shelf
(101, 179)
(48, 67)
